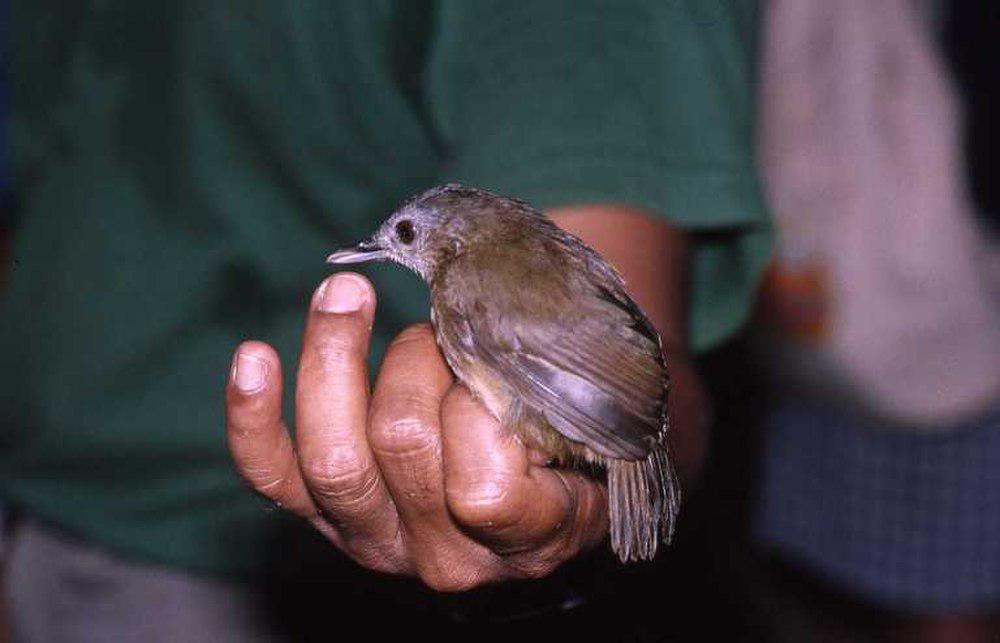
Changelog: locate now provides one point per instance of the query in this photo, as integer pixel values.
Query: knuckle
(484, 505)
(342, 481)
(401, 436)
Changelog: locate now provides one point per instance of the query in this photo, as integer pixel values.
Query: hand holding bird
(421, 479)
(415, 478)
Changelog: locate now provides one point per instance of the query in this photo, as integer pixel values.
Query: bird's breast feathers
(580, 358)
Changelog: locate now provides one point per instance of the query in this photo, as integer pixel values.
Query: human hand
(414, 478)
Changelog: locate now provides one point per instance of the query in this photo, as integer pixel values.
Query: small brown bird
(541, 331)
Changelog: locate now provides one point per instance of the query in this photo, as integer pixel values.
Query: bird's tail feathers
(643, 500)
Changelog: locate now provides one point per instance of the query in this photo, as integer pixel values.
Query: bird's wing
(595, 372)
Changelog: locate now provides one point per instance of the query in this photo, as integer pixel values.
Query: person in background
(881, 460)
(181, 171)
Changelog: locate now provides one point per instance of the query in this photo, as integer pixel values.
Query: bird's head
(431, 228)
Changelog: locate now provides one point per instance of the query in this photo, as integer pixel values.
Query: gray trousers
(59, 589)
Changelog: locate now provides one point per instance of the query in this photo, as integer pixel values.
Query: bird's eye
(404, 232)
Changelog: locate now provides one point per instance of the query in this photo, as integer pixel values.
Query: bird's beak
(364, 251)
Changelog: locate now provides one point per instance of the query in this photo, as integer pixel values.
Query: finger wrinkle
(341, 487)
(266, 487)
(264, 477)
(284, 487)
(403, 437)
(385, 555)
(334, 350)
(250, 429)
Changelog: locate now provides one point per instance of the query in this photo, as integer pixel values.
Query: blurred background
(852, 486)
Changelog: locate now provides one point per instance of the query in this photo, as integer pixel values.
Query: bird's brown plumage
(542, 331)
(562, 343)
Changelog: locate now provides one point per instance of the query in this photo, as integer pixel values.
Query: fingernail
(341, 294)
(249, 373)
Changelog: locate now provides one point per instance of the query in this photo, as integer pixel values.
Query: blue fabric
(909, 522)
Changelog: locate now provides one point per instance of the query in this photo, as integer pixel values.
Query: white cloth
(861, 158)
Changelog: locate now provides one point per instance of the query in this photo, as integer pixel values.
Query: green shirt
(182, 169)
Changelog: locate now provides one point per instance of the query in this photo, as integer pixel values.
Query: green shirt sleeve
(646, 103)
